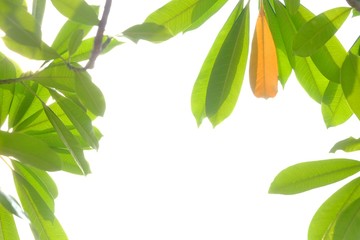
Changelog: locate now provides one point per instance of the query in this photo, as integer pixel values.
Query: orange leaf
(263, 61)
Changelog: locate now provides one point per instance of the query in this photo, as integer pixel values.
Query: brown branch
(354, 3)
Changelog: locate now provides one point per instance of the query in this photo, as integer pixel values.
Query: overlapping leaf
(309, 175)
(8, 227)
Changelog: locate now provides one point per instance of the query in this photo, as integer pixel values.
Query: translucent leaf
(326, 217)
(148, 31)
(309, 175)
(292, 5)
(11, 205)
(78, 117)
(347, 225)
(334, 107)
(19, 25)
(75, 41)
(347, 145)
(89, 94)
(350, 82)
(29, 150)
(44, 224)
(263, 70)
(69, 140)
(228, 71)
(8, 227)
(198, 97)
(284, 66)
(315, 33)
(77, 10)
(38, 9)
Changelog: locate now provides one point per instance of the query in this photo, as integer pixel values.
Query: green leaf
(228, 71)
(75, 41)
(350, 82)
(42, 52)
(12, 206)
(43, 221)
(284, 66)
(29, 150)
(355, 49)
(148, 31)
(38, 9)
(309, 175)
(198, 97)
(89, 94)
(347, 145)
(334, 107)
(347, 225)
(184, 15)
(69, 140)
(292, 5)
(19, 25)
(8, 227)
(315, 33)
(326, 217)
(78, 117)
(77, 10)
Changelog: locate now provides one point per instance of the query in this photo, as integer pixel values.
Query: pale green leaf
(77, 10)
(305, 176)
(75, 41)
(8, 227)
(148, 31)
(347, 225)
(12, 206)
(38, 9)
(347, 145)
(29, 150)
(315, 33)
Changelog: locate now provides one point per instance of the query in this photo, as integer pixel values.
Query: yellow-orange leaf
(263, 61)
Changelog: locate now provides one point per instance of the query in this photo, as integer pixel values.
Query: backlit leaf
(11, 205)
(29, 150)
(347, 225)
(38, 9)
(228, 71)
(292, 5)
(8, 227)
(326, 217)
(315, 33)
(198, 97)
(77, 10)
(263, 71)
(148, 31)
(347, 145)
(75, 41)
(309, 175)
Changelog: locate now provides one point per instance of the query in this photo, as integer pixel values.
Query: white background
(158, 176)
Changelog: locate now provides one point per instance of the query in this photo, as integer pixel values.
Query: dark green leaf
(198, 97)
(292, 5)
(324, 221)
(347, 145)
(12, 206)
(78, 117)
(228, 71)
(69, 140)
(43, 221)
(335, 109)
(309, 175)
(347, 225)
(315, 33)
(29, 150)
(8, 227)
(77, 10)
(89, 94)
(350, 82)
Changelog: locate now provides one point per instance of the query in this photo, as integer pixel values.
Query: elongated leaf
(75, 41)
(228, 72)
(45, 228)
(326, 217)
(355, 49)
(198, 97)
(69, 140)
(292, 5)
(350, 82)
(19, 25)
(335, 109)
(347, 225)
(309, 175)
(319, 30)
(263, 71)
(347, 145)
(78, 117)
(148, 31)
(8, 227)
(29, 150)
(11, 205)
(89, 94)
(181, 15)
(284, 66)
(38, 9)
(77, 10)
